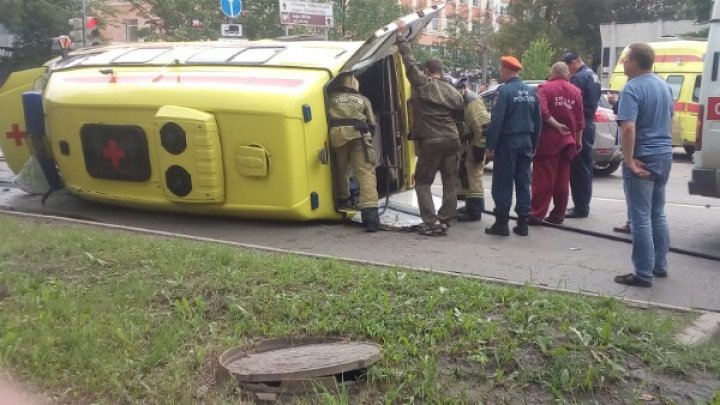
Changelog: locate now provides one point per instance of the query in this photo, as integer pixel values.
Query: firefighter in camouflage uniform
(472, 150)
(351, 126)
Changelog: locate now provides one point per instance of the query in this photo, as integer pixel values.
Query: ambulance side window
(696, 89)
(675, 83)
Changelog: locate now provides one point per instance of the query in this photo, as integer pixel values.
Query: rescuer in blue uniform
(512, 138)
(581, 170)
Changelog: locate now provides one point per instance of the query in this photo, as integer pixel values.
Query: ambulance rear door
(381, 43)
(12, 118)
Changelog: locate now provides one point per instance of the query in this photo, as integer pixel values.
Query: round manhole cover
(284, 359)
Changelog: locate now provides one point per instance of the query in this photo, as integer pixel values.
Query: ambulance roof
(674, 56)
(680, 46)
(304, 54)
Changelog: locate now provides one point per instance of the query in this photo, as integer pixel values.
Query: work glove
(478, 153)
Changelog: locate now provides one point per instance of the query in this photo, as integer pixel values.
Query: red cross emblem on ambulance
(16, 134)
(113, 153)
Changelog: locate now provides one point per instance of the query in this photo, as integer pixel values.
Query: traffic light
(76, 33)
(92, 31)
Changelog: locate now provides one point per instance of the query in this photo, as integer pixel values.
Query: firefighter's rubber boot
(370, 219)
(473, 210)
(522, 227)
(500, 228)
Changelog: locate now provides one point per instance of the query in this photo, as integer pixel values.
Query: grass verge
(108, 317)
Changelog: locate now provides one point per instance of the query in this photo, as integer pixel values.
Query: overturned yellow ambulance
(221, 128)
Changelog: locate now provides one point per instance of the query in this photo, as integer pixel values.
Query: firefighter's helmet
(349, 81)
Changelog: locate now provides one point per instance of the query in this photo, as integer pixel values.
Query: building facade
(473, 12)
(124, 25)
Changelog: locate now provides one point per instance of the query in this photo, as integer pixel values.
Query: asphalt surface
(548, 257)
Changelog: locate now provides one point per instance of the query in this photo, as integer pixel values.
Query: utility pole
(484, 64)
(83, 23)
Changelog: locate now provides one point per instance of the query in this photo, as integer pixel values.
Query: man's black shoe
(632, 280)
(498, 229)
(573, 213)
(660, 274)
(521, 228)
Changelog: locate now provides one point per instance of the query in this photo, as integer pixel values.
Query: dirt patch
(475, 382)
(691, 388)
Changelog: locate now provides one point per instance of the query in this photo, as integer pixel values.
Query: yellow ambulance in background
(680, 63)
(236, 128)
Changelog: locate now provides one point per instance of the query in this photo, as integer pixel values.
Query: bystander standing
(562, 113)
(512, 138)
(645, 114)
(581, 171)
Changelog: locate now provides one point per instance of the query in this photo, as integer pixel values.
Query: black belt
(359, 125)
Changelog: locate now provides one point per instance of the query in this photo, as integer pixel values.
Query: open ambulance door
(12, 118)
(382, 80)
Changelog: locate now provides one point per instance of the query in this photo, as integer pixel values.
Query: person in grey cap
(581, 170)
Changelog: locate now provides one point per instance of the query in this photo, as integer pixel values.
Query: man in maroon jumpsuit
(561, 107)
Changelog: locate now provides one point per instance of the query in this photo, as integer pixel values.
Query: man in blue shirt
(582, 166)
(512, 138)
(645, 115)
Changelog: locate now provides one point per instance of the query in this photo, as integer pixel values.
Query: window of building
(476, 3)
(131, 30)
(675, 83)
(435, 24)
(449, 25)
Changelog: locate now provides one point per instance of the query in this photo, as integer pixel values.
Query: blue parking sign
(231, 8)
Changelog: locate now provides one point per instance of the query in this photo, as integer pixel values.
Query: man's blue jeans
(646, 210)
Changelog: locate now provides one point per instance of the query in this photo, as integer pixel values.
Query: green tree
(35, 22)
(359, 19)
(537, 59)
(461, 50)
(574, 24)
(179, 20)
(464, 49)
(699, 10)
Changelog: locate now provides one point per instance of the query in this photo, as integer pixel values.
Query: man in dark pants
(581, 171)
(438, 112)
(512, 138)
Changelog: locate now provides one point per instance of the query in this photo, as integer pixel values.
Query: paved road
(548, 257)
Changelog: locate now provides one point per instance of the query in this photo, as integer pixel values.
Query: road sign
(231, 30)
(298, 12)
(231, 8)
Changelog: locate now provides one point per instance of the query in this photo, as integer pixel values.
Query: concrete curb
(705, 329)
